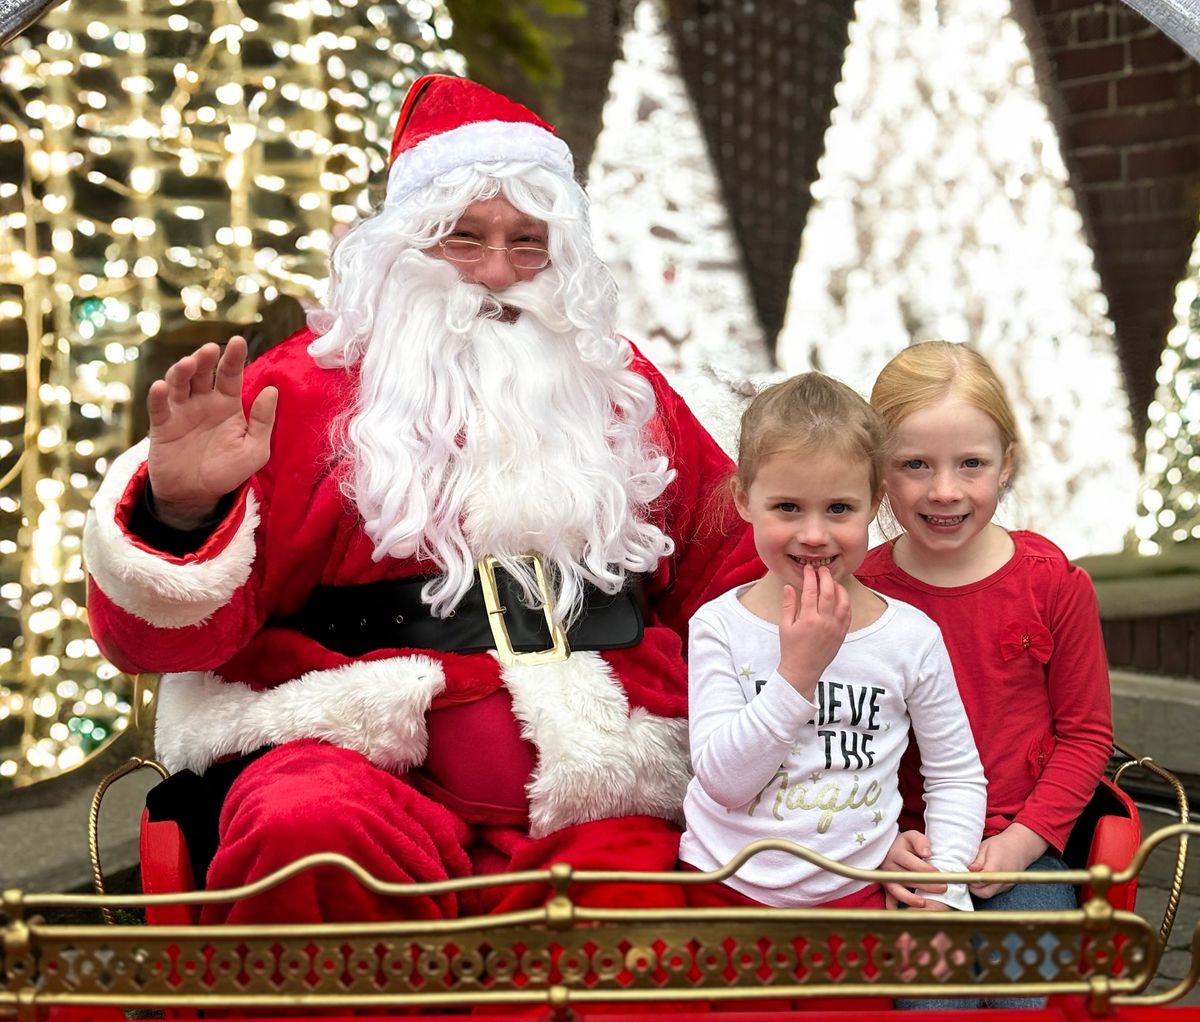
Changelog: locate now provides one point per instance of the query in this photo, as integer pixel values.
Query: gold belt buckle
(557, 652)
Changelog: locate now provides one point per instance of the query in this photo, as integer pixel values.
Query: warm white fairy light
(158, 179)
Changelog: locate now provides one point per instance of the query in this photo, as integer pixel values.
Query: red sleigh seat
(166, 869)
(1108, 831)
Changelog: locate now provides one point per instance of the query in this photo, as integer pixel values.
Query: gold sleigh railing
(566, 955)
(1126, 761)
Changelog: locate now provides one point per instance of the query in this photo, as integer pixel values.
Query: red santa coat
(608, 729)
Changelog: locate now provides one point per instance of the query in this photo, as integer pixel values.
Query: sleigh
(565, 960)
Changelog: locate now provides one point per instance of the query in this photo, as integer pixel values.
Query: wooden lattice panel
(762, 74)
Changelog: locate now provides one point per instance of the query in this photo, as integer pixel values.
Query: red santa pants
(307, 796)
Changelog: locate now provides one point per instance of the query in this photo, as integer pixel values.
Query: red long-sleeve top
(1029, 659)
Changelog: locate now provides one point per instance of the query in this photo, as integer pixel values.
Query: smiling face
(809, 509)
(498, 225)
(943, 484)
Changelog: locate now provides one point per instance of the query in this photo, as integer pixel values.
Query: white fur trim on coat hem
(596, 758)
(376, 707)
(158, 591)
(480, 142)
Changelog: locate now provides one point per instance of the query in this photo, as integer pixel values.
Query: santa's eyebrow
(475, 223)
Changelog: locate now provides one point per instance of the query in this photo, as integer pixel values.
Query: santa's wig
(476, 435)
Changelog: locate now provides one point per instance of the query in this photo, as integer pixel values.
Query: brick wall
(1127, 104)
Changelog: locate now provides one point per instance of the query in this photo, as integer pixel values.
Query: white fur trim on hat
(596, 758)
(162, 593)
(376, 707)
(480, 142)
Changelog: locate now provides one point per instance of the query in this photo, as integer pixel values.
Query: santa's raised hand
(202, 445)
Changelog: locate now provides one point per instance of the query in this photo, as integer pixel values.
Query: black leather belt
(353, 620)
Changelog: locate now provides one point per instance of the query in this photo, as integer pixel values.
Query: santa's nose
(493, 271)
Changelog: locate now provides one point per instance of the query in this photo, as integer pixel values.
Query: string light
(178, 160)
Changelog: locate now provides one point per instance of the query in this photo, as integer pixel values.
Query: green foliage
(491, 34)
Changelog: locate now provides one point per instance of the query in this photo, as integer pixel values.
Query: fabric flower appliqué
(1033, 638)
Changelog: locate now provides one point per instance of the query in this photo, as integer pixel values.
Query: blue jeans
(1023, 897)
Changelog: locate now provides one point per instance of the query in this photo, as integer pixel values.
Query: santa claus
(418, 580)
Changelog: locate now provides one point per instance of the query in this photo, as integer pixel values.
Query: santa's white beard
(475, 436)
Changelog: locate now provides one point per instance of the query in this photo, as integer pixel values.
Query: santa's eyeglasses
(522, 257)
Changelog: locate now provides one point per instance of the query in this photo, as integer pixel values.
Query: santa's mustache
(539, 299)
(466, 302)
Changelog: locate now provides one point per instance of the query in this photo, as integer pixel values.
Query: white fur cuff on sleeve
(161, 593)
(376, 707)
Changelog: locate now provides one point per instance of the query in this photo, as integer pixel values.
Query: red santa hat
(449, 122)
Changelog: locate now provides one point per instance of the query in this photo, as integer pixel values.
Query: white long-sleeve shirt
(769, 763)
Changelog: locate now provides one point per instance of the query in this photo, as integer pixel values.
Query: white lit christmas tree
(659, 217)
(1170, 511)
(943, 210)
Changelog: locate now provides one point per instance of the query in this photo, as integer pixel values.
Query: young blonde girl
(803, 685)
(1020, 622)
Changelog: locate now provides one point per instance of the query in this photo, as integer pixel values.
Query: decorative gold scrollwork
(1107, 956)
